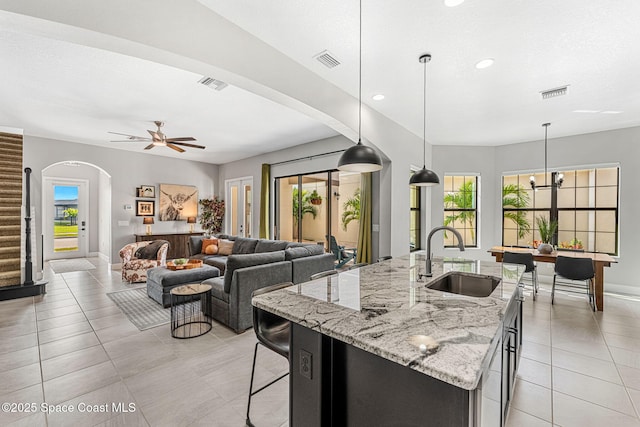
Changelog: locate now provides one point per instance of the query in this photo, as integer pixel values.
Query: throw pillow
(225, 247)
(211, 249)
(206, 243)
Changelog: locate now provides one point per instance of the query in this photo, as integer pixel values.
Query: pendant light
(360, 158)
(557, 178)
(424, 177)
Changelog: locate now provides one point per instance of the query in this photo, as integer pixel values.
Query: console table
(177, 242)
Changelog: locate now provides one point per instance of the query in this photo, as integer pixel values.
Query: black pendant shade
(360, 158)
(424, 178)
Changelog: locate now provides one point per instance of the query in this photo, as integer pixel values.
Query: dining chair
(273, 332)
(568, 271)
(526, 259)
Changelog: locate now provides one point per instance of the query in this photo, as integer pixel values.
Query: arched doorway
(76, 211)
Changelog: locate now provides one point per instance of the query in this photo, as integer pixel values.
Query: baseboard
(117, 266)
(103, 257)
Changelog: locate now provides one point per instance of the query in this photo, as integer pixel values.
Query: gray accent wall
(620, 146)
(127, 170)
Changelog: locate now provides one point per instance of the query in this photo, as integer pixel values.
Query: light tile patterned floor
(73, 346)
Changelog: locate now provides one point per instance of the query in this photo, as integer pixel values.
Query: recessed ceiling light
(485, 63)
(378, 97)
(586, 111)
(611, 112)
(453, 3)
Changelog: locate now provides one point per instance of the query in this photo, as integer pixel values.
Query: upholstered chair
(134, 270)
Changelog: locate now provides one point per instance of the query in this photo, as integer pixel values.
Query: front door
(238, 207)
(65, 227)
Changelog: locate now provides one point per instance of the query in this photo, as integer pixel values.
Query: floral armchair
(134, 270)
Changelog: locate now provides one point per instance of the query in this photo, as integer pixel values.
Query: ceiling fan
(160, 139)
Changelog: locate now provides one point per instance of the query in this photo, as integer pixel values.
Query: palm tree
(515, 196)
(351, 209)
(461, 199)
(307, 207)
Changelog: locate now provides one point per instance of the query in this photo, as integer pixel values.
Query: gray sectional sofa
(254, 264)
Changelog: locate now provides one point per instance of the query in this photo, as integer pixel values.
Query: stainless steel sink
(469, 284)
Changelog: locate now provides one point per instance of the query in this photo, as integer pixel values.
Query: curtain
(264, 201)
(364, 235)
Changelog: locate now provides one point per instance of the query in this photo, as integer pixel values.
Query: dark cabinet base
(346, 386)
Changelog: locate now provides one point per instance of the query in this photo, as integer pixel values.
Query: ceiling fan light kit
(360, 158)
(160, 139)
(424, 177)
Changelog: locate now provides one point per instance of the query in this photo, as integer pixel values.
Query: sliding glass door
(312, 206)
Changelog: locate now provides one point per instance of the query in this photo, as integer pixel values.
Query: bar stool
(575, 269)
(273, 333)
(526, 259)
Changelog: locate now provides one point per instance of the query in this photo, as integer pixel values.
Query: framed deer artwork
(177, 202)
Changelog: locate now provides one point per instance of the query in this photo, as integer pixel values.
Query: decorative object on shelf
(148, 221)
(191, 220)
(177, 202)
(211, 214)
(424, 177)
(315, 198)
(145, 208)
(547, 231)
(556, 177)
(147, 191)
(360, 158)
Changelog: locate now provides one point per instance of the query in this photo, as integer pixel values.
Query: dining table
(600, 261)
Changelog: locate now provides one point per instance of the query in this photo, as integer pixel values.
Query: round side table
(190, 310)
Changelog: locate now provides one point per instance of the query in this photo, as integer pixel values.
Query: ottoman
(161, 280)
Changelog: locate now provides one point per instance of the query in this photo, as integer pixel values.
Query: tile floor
(74, 347)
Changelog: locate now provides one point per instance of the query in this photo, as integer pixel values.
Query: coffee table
(190, 310)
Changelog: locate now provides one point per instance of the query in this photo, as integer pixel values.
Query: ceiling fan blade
(175, 147)
(184, 138)
(149, 147)
(155, 135)
(188, 145)
(131, 140)
(131, 137)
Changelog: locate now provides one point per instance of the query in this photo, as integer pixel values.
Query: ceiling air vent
(327, 59)
(552, 93)
(213, 83)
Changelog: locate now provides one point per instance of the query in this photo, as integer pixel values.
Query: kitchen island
(356, 355)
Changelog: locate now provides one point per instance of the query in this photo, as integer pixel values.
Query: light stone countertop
(379, 307)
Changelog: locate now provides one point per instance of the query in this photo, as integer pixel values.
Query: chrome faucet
(460, 245)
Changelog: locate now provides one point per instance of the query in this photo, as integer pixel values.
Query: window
(415, 212)
(586, 206)
(461, 209)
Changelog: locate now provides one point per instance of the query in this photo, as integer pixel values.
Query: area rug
(141, 310)
(69, 265)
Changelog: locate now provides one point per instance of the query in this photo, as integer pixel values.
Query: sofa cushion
(150, 251)
(207, 242)
(195, 243)
(217, 288)
(270, 245)
(225, 247)
(302, 251)
(242, 245)
(235, 262)
(220, 262)
(226, 237)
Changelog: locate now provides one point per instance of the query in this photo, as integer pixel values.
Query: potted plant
(212, 213)
(315, 198)
(547, 230)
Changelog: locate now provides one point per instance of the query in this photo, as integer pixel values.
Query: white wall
(128, 171)
(617, 146)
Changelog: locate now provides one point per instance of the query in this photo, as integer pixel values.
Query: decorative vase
(316, 201)
(545, 248)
